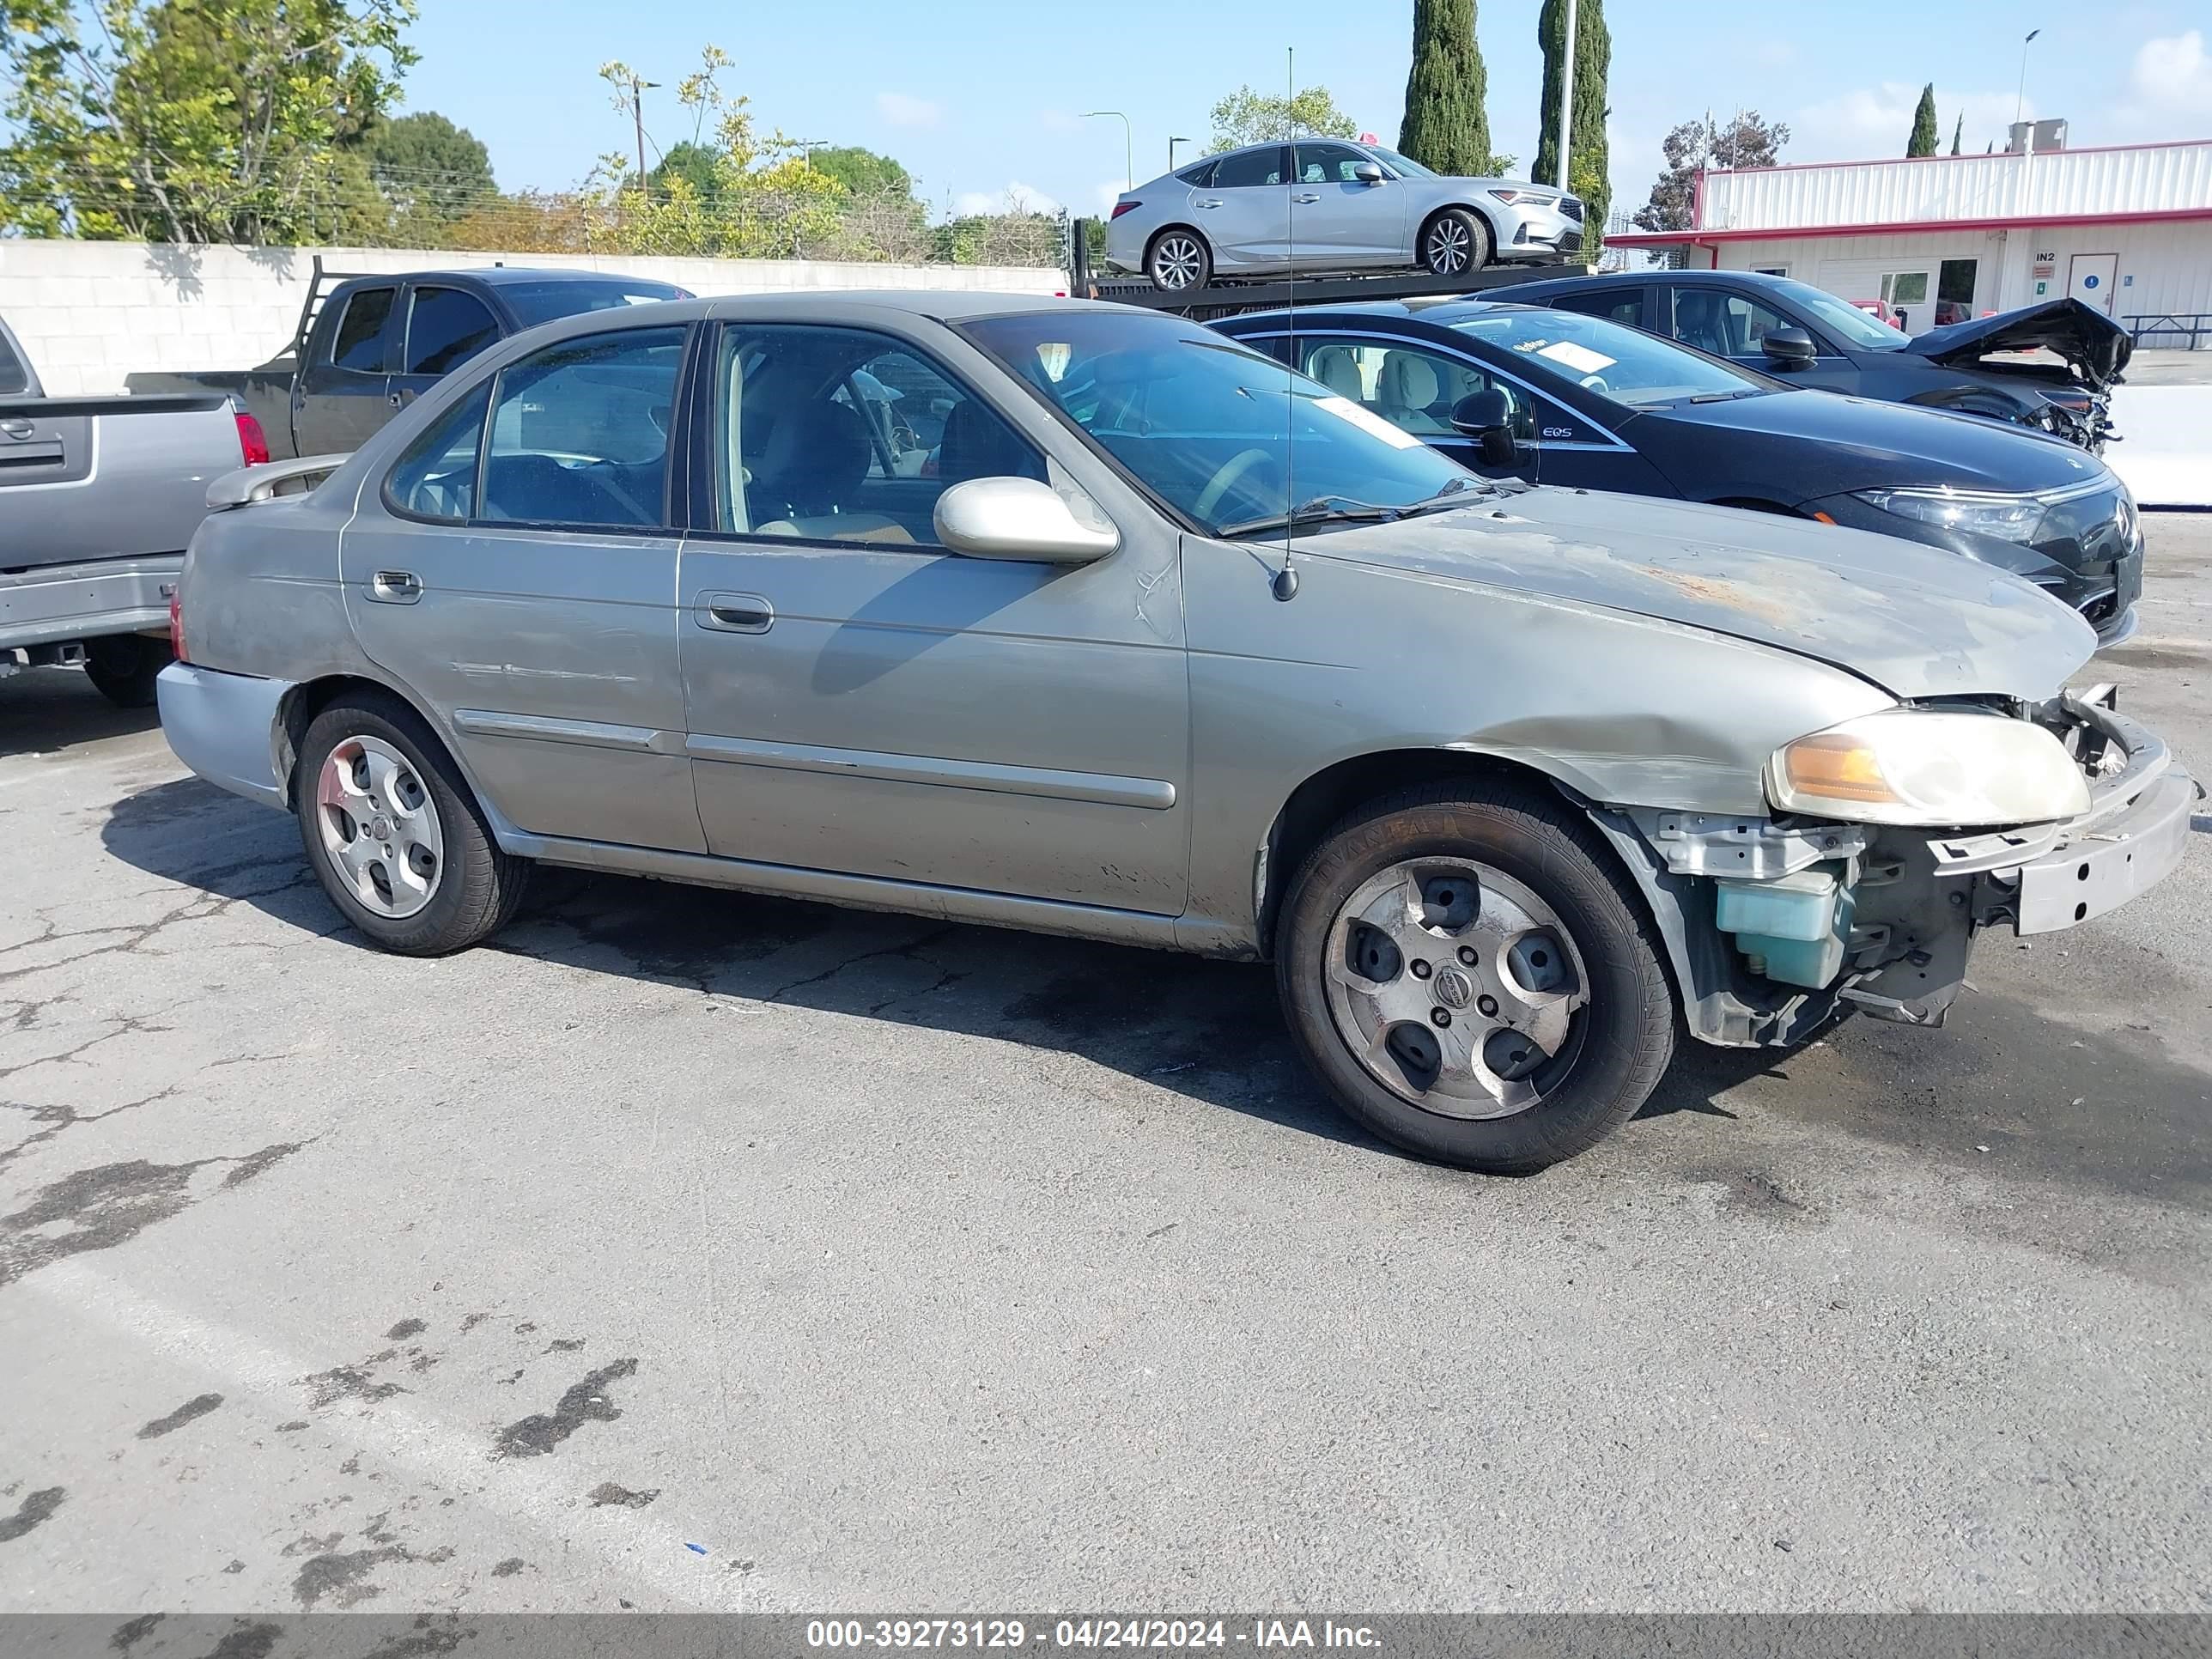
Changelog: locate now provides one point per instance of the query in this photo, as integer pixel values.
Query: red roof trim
(1891, 160)
(1785, 233)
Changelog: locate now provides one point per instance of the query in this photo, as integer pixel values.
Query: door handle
(395, 586)
(1214, 204)
(1305, 199)
(734, 613)
(17, 429)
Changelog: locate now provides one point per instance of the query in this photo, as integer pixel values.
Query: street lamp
(2020, 100)
(1128, 144)
(1172, 142)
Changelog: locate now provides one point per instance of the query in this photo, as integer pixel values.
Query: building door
(2091, 278)
(1907, 293)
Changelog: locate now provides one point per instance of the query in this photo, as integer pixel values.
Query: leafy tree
(1923, 141)
(1246, 117)
(696, 164)
(1958, 132)
(1589, 162)
(192, 120)
(862, 172)
(1446, 126)
(1745, 142)
(427, 167)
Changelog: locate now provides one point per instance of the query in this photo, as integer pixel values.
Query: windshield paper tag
(1368, 421)
(1579, 358)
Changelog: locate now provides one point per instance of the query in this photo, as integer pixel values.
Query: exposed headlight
(1927, 768)
(1534, 197)
(2011, 517)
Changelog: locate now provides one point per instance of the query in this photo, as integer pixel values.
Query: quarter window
(436, 478)
(359, 346)
(842, 435)
(579, 431)
(445, 327)
(1248, 168)
(14, 377)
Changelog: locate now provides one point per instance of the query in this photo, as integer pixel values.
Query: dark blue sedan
(1558, 398)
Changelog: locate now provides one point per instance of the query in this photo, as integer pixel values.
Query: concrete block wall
(90, 313)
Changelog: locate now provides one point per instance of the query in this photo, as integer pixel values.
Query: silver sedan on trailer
(1323, 205)
(1074, 617)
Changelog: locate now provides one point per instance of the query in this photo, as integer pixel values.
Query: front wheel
(124, 667)
(394, 832)
(1470, 980)
(1454, 243)
(1179, 259)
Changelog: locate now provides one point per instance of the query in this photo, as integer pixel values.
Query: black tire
(478, 887)
(1626, 1029)
(122, 668)
(1179, 260)
(1454, 243)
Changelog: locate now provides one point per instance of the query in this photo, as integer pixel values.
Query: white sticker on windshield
(1368, 421)
(1579, 358)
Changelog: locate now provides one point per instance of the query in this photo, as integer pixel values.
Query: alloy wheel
(1176, 262)
(379, 827)
(1448, 247)
(1456, 987)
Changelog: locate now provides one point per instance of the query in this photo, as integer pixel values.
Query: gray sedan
(1325, 205)
(1070, 617)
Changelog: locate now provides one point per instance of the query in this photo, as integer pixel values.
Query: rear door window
(579, 431)
(1614, 305)
(1252, 168)
(358, 346)
(445, 327)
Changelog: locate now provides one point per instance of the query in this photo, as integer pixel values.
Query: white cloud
(1016, 197)
(903, 110)
(1875, 123)
(2171, 83)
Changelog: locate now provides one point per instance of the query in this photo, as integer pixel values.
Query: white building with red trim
(2127, 228)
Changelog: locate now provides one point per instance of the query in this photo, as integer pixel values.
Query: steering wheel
(1218, 486)
(1594, 383)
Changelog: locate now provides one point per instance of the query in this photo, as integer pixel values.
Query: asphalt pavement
(687, 1249)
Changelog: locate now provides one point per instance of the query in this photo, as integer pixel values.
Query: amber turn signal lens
(1836, 767)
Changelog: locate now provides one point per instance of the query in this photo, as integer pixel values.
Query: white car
(1324, 205)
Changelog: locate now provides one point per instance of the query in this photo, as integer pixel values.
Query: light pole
(1128, 144)
(1172, 142)
(2020, 100)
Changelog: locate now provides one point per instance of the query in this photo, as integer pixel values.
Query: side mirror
(1787, 347)
(1368, 173)
(1019, 519)
(1488, 418)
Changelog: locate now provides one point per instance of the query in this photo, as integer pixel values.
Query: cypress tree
(1588, 165)
(1446, 127)
(1958, 132)
(1923, 123)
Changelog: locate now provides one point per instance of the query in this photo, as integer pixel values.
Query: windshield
(1841, 319)
(1625, 365)
(1218, 433)
(541, 302)
(1402, 163)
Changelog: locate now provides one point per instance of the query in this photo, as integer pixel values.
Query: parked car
(1511, 783)
(1327, 205)
(1791, 328)
(1591, 403)
(367, 348)
(98, 498)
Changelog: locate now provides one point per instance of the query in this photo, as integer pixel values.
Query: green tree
(1923, 141)
(428, 169)
(1446, 126)
(1589, 164)
(697, 165)
(1246, 117)
(862, 172)
(192, 120)
(1745, 142)
(1958, 132)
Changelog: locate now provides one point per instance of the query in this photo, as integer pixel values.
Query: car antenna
(1285, 585)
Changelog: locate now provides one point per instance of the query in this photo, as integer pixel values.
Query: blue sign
(2090, 281)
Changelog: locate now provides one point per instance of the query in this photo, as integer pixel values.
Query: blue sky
(979, 98)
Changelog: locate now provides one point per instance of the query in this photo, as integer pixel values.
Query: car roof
(499, 275)
(946, 306)
(1443, 310)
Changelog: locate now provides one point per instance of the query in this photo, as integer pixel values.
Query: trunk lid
(2095, 348)
(1914, 620)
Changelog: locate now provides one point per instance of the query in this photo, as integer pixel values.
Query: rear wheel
(124, 666)
(394, 832)
(1471, 981)
(1454, 243)
(1178, 259)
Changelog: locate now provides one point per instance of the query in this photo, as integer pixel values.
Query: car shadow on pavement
(45, 710)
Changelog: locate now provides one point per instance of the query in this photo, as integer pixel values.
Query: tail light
(177, 620)
(1121, 208)
(253, 441)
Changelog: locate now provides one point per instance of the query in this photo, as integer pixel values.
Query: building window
(1770, 270)
(1954, 290)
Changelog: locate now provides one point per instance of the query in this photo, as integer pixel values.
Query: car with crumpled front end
(1173, 648)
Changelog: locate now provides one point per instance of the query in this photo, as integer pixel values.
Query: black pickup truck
(366, 345)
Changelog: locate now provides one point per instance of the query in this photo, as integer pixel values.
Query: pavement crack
(909, 948)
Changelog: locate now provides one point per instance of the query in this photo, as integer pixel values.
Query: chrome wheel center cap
(380, 828)
(1454, 988)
